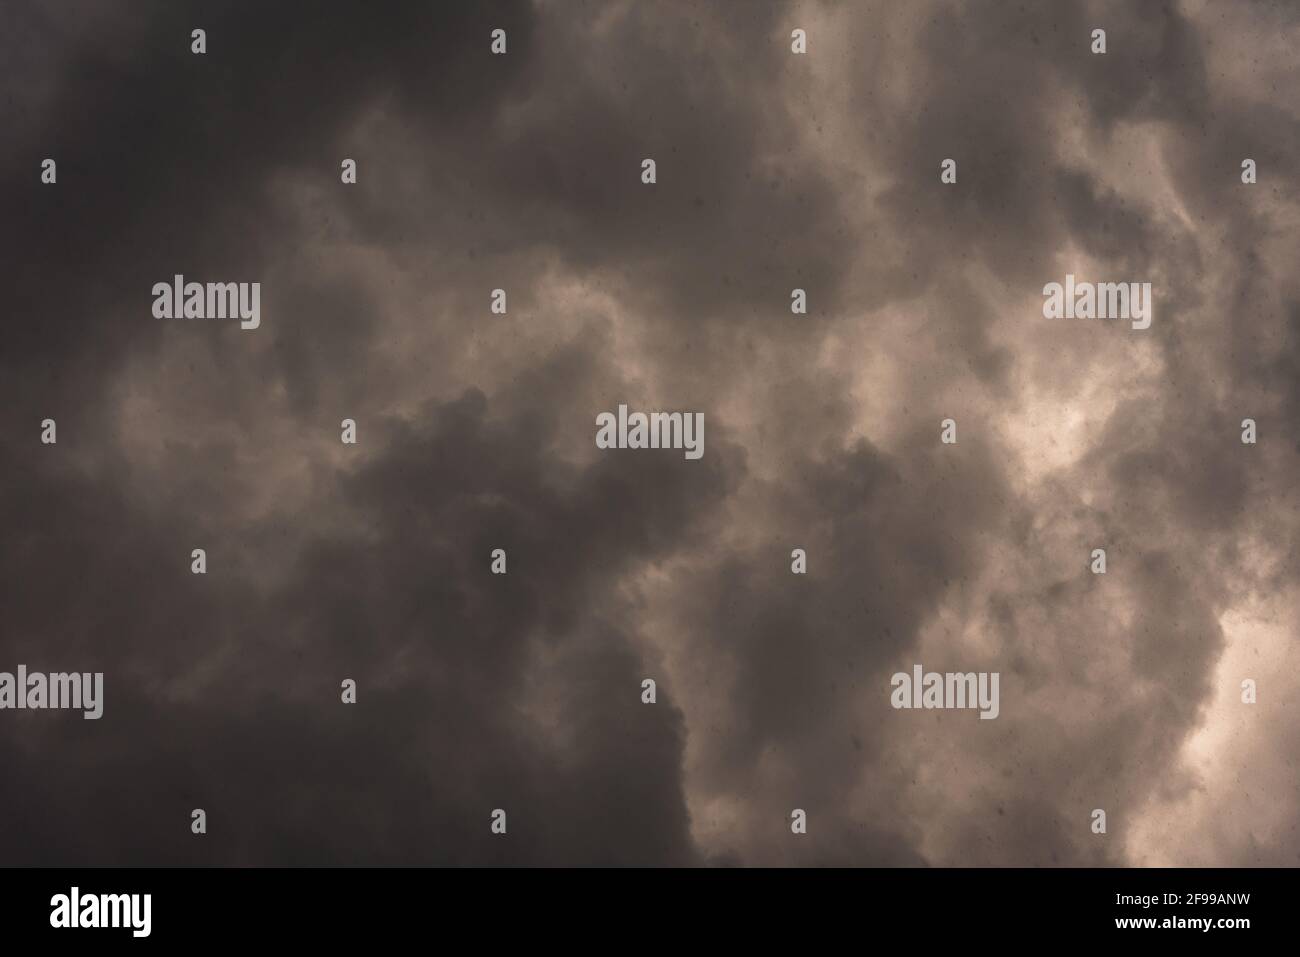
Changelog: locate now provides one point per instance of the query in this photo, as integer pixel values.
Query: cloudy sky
(476, 431)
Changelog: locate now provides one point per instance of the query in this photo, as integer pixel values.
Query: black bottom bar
(658, 907)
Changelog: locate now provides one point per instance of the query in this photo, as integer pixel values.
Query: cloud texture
(475, 431)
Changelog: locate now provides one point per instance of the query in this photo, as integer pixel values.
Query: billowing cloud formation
(775, 171)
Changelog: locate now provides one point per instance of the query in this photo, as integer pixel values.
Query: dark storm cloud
(523, 692)
(445, 655)
(223, 696)
(739, 214)
(135, 122)
(990, 85)
(809, 660)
